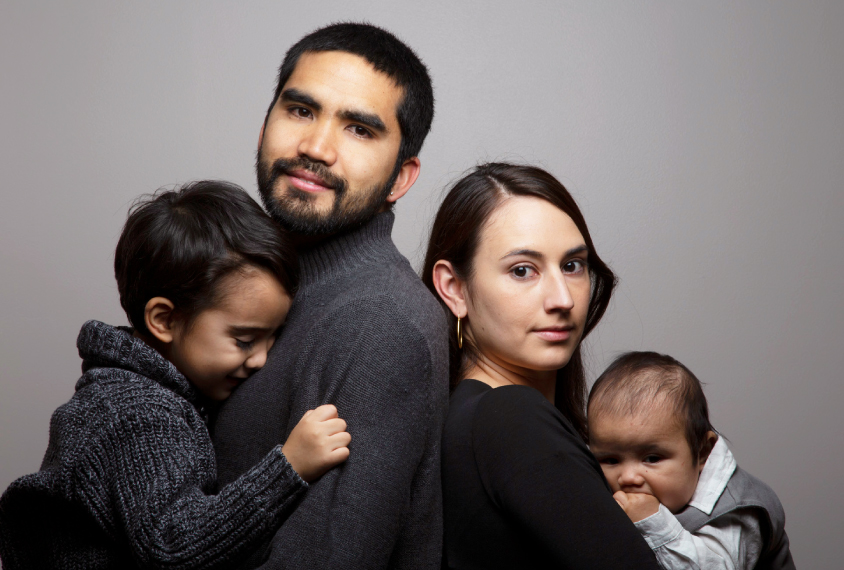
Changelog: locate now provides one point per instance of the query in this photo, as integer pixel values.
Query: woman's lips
(307, 181)
(556, 334)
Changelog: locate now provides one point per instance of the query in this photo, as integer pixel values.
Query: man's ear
(706, 448)
(159, 318)
(261, 134)
(408, 174)
(450, 288)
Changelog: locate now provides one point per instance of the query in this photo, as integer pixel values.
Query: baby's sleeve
(732, 541)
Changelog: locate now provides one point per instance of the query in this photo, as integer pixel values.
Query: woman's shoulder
(514, 430)
(487, 403)
(515, 414)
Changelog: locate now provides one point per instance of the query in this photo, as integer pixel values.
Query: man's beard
(295, 210)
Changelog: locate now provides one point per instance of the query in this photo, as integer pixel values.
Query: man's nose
(318, 143)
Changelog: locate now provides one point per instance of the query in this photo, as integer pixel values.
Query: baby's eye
(244, 344)
(653, 459)
(574, 266)
(608, 461)
(523, 272)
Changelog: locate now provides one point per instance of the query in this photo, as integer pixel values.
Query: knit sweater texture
(127, 478)
(365, 335)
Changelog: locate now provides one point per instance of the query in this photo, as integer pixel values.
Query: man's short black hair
(178, 244)
(387, 54)
(636, 381)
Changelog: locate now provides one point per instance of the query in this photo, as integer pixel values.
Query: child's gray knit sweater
(126, 478)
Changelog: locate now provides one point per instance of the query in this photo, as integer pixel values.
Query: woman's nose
(557, 295)
(317, 144)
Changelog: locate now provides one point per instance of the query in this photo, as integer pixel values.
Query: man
(338, 147)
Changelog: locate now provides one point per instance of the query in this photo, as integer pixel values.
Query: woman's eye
(244, 344)
(574, 266)
(522, 271)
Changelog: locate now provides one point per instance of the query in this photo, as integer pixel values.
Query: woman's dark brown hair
(454, 238)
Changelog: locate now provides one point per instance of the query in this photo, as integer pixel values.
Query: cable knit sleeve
(145, 474)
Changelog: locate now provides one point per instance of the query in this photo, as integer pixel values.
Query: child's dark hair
(179, 243)
(633, 382)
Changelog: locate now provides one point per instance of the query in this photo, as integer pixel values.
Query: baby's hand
(317, 443)
(638, 506)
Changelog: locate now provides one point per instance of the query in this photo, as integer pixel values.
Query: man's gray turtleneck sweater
(365, 335)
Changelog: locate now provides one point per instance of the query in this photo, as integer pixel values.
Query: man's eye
(244, 344)
(522, 271)
(574, 266)
(301, 112)
(360, 131)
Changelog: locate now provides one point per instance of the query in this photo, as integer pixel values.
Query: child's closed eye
(244, 344)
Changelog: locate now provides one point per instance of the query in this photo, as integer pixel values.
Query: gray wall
(703, 141)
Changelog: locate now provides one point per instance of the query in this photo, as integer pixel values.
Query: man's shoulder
(381, 291)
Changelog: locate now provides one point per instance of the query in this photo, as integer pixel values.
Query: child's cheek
(612, 479)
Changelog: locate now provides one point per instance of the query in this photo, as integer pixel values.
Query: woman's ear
(450, 287)
(159, 318)
(706, 448)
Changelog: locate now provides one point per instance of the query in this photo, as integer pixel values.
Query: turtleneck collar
(104, 346)
(365, 244)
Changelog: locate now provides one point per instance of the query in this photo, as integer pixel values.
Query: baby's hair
(635, 382)
(180, 243)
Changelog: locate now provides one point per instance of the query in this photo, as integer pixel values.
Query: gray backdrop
(702, 140)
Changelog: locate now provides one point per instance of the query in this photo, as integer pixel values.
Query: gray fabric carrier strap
(746, 491)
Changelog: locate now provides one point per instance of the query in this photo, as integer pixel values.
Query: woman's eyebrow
(526, 252)
(540, 256)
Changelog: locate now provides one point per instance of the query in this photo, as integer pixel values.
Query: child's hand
(638, 506)
(317, 443)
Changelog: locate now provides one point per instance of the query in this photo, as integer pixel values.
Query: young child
(674, 476)
(205, 278)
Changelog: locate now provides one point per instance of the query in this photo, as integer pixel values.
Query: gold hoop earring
(459, 334)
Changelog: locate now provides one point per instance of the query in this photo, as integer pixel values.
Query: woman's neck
(497, 375)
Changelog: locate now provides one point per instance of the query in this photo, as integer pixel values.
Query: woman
(513, 264)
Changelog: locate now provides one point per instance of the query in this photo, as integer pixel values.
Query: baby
(674, 476)
(205, 278)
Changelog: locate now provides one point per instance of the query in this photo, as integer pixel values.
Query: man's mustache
(288, 165)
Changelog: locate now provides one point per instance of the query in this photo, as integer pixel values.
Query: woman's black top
(522, 490)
